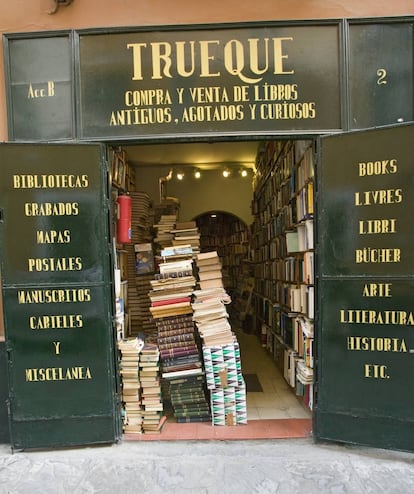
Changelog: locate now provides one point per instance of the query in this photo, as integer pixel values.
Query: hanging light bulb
(243, 172)
(226, 173)
(197, 174)
(180, 175)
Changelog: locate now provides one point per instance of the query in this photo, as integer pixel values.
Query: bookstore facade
(323, 277)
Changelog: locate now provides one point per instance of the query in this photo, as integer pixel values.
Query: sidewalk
(283, 466)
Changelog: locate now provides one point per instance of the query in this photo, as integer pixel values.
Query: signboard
(206, 81)
(365, 287)
(203, 81)
(381, 83)
(57, 295)
(40, 89)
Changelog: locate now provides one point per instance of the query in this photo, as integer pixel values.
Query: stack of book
(172, 311)
(212, 321)
(209, 270)
(186, 233)
(188, 399)
(141, 216)
(141, 321)
(221, 352)
(209, 305)
(177, 344)
(163, 229)
(151, 400)
(130, 350)
(138, 286)
(167, 207)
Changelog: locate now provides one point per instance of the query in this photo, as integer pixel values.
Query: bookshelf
(121, 171)
(230, 237)
(283, 258)
(122, 179)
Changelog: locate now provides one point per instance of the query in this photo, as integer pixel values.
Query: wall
(210, 193)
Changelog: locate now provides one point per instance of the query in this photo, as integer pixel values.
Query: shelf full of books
(230, 237)
(121, 171)
(283, 256)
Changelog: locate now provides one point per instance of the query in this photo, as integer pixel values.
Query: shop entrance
(265, 326)
(361, 311)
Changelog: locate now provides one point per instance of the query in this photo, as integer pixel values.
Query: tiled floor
(278, 400)
(273, 413)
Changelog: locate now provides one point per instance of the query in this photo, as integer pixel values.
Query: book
(144, 258)
(176, 338)
(173, 274)
(169, 301)
(178, 351)
(210, 274)
(187, 372)
(184, 225)
(205, 418)
(172, 266)
(177, 251)
(186, 309)
(164, 333)
(213, 283)
(202, 256)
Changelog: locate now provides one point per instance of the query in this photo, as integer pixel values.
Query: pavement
(286, 466)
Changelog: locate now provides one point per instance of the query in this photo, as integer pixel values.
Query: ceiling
(203, 155)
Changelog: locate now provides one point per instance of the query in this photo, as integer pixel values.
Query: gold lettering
(380, 167)
(161, 52)
(54, 264)
(279, 56)
(376, 344)
(377, 290)
(386, 317)
(378, 197)
(376, 371)
(369, 255)
(54, 296)
(241, 58)
(50, 89)
(51, 209)
(56, 321)
(50, 181)
(182, 60)
(373, 227)
(53, 237)
(206, 58)
(136, 60)
(58, 374)
(147, 97)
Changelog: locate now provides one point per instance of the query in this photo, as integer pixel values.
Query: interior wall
(212, 192)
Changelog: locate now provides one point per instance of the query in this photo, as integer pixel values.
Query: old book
(188, 372)
(210, 275)
(144, 258)
(165, 333)
(170, 301)
(214, 283)
(176, 338)
(206, 255)
(167, 346)
(185, 225)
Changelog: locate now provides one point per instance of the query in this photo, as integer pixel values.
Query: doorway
(271, 400)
